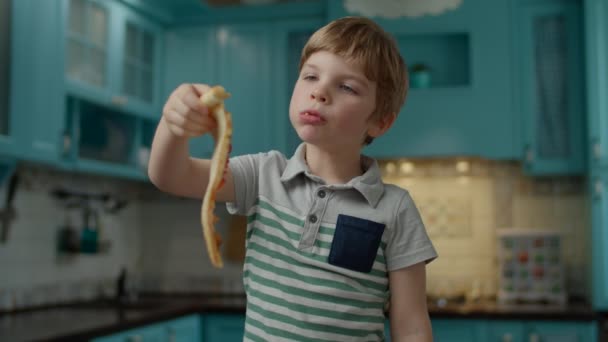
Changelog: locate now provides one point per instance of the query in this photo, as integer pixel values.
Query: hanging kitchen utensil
(8, 213)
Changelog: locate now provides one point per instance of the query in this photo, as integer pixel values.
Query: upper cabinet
(86, 85)
(596, 30)
(465, 107)
(112, 56)
(597, 64)
(549, 85)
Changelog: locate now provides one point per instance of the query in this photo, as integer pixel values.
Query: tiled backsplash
(464, 202)
(158, 237)
(33, 271)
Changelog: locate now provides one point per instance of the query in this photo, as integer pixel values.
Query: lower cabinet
(231, 327)
(183, 329)
(478, 330)
(223, 327)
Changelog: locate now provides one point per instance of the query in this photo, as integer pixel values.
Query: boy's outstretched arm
(409, 315)
(171, 168)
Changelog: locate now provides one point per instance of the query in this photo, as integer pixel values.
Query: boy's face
(332, 102)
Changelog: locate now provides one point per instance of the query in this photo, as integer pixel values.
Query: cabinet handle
(598, 189)
(596, 149)
(529, 154)
(171, 333)
(66, 143)
(135, 338)
(533, 338)
(507, 338)
(119, 100)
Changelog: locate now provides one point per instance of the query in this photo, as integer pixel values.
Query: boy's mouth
(311, 116)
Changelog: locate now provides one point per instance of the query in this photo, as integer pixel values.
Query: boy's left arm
(408, 312)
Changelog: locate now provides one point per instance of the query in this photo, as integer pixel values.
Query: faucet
(121, 285)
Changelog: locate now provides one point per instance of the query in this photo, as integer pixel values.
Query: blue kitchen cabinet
(245, 67)
(467, 107)
(597, 52)
(191, 58)
(105, 141)
(183, 329)
(505, 331)
(223, 327)
(150, 333)
(560, 331)
(454, 330)
(112, 55)
(541, 331)
(596, 35)
(239, 57)
(599, 232)
(37, 97)
(549, 91)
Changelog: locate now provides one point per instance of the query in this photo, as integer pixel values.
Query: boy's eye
(347, 88)
(309, 77)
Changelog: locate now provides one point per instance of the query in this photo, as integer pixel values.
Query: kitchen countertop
(84, 321)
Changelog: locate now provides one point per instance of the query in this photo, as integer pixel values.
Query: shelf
(446, 54)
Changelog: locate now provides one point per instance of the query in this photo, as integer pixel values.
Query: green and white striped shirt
(318, 255)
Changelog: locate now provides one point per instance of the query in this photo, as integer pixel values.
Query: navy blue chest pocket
(355, 243)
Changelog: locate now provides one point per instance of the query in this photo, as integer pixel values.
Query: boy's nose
(318, 95)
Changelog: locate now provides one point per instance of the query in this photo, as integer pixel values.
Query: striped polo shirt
(318, 255)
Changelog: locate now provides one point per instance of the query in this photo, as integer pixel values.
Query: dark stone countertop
(84, 321)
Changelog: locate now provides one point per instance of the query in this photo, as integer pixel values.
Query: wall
(33, 271)
(464, 202)
(158, 237)
(461, 209)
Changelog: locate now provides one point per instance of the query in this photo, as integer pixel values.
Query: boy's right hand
(184, 113)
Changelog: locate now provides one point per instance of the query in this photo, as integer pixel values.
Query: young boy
(328, 244)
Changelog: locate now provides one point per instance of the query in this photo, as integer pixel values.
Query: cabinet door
(599, 234)
(561, 332)
(505, 331)
(150, 333)
(88, 46)
(112, 55)
(245, 68)
(551, 86)
(455, 330)
(105, 141)
(596, 31)
(467, 107)
(223, 328)
(190, 58)
(185, 329)
(37, 97)
(137, 83)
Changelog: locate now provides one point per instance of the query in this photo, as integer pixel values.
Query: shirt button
(321, 193)
(312, 218)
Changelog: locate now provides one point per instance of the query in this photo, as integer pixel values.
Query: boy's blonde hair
(361, 41)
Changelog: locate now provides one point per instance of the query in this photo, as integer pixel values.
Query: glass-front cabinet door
(87, 44)
(112, 55)
(550, 72)
(138, 74)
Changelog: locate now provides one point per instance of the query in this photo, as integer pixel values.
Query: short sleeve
(245, 173)
(409, 242)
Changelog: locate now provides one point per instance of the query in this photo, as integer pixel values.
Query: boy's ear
(381, 125)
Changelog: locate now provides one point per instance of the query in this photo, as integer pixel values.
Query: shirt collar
(369, 184)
